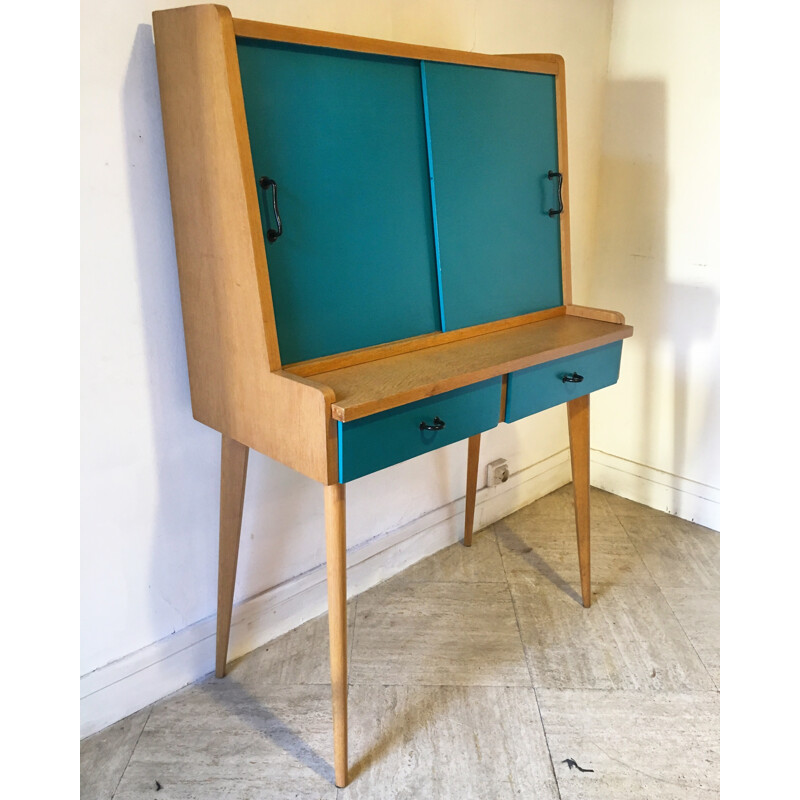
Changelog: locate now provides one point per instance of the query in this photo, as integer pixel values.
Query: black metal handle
(265, 183)
(553, 212)
(574, 378)
(438, 424)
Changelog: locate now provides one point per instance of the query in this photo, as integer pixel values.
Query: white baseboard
(687, 499)
(121, 688)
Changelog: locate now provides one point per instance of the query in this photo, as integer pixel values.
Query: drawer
(389, 437)
(536, 388)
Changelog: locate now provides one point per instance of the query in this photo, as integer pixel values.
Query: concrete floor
(473, 674)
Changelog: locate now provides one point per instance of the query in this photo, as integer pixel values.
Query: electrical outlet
(497, 472)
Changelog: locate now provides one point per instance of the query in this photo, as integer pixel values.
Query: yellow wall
(655, 256)
(642, 111)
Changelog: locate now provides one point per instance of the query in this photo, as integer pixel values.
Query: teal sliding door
(343, 136)
(492, 138)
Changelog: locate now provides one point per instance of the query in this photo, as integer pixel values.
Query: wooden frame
(290, 412)
(546, 63)
(238, 384)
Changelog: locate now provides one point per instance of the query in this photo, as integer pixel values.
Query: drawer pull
(438, 424)
(265, 183)
(574, 378)
(554, 212)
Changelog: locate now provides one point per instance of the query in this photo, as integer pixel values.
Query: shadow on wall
(183, 575)
(674, 321)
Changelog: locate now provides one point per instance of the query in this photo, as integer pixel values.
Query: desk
(373, 253)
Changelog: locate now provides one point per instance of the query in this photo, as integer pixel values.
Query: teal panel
(493, 140)
(372, 443)
(343, 135)
(536, 388)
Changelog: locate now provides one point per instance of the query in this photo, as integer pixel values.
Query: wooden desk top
(367, 388)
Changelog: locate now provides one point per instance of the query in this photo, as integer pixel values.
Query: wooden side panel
(225, 295)
(595, 313)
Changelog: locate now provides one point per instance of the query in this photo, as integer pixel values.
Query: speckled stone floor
(475, 673)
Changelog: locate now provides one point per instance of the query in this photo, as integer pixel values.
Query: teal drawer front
(378, 441)
(534, 389)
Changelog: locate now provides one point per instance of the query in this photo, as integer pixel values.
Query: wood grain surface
(367, 388)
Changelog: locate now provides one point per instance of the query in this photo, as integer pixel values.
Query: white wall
(149, 472)
(656, 257)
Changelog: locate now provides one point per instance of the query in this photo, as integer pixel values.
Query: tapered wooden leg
(473, 451)
(335, 537)
(578, 416)
(231, 502)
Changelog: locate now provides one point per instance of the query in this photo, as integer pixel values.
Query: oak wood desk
(373, 253)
